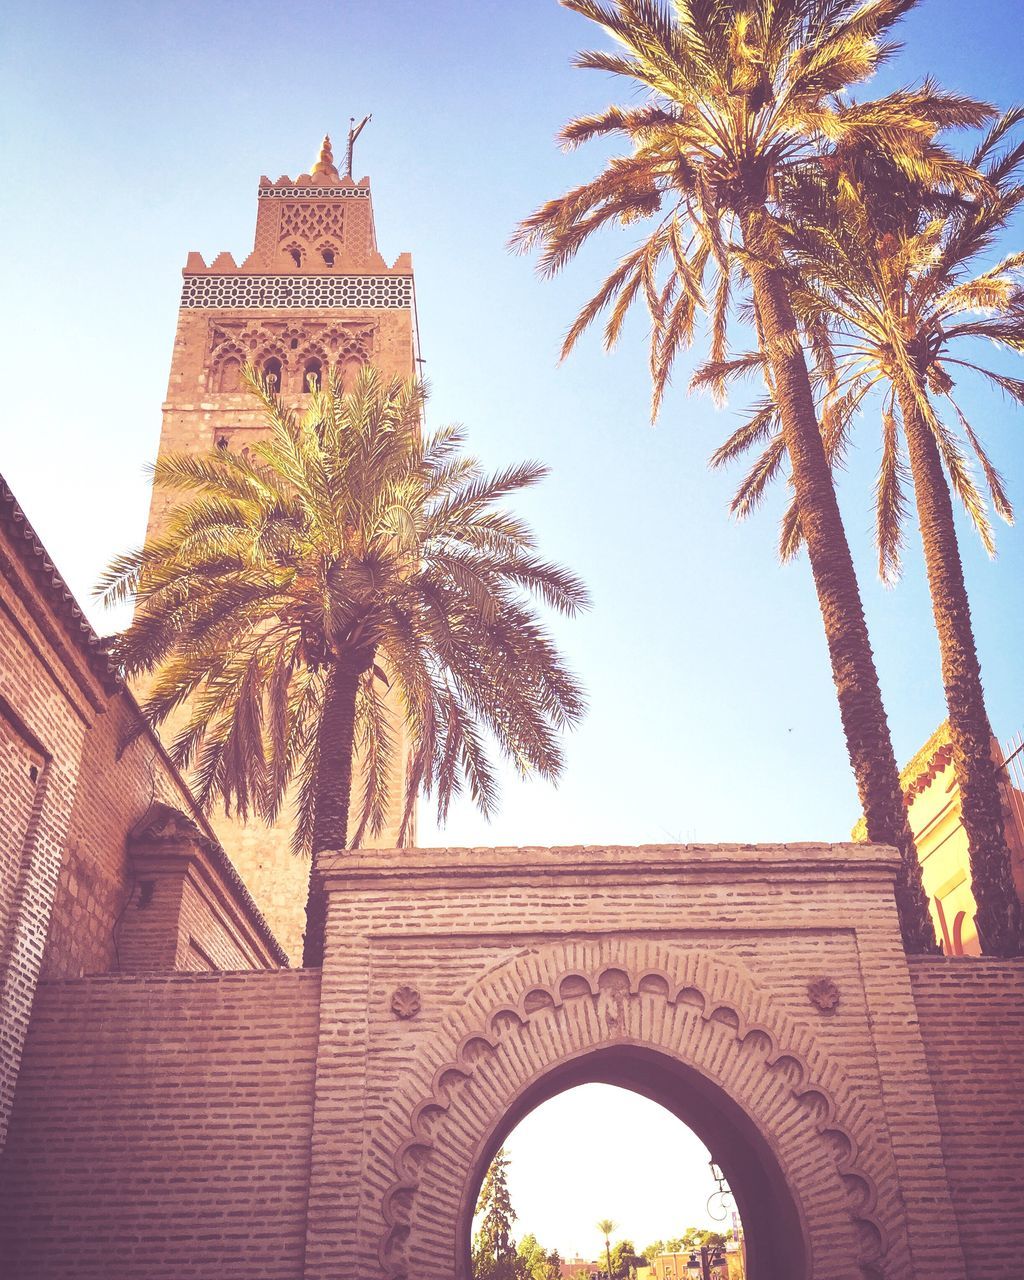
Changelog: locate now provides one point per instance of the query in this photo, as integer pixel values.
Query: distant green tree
(554, 1266)
(494, 1251)
(535, 1261)
(625, 1260)
(692, 1238)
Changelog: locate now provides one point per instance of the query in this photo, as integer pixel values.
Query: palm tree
(348, 560)
(606, 1227)
(891, 289)
(741, 93)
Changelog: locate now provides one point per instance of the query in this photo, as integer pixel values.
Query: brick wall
(49, 698)
(492, 940)
(20, 766)
(972, 1021)
(206, 1124)
(70, 792)
(113, 792)
(162, 1129)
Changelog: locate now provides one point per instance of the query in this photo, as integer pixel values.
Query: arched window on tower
(230, 376)
(295, 253)
(328, 256)
(272, 372)
(312, 374)
(351, 360)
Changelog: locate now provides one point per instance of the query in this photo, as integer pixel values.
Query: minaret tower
(314, 294)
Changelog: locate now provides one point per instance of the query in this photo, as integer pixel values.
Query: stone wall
(294, 1124)
(161, 1129)
(461, 981)
(972, 1022)
(72, 787)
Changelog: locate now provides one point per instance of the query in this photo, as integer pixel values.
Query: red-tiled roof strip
(925, 766)
(94, 648)
(940, 760)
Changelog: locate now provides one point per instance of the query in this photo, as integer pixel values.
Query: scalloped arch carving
(542, 1008)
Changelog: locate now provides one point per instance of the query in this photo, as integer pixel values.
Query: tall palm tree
(606, 1227)
(348, 554)
(890, 284)
(740, 93)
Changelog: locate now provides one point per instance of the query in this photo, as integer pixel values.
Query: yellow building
(932, 793)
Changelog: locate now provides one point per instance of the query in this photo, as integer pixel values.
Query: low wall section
(162, 1129)
(971, 1013)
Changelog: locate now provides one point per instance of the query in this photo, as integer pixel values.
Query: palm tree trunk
(853, 667)
(333, 793)
(999, 917)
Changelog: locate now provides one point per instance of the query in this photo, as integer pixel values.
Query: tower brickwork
(314, 295)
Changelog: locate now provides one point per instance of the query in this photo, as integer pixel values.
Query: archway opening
(702, 1125)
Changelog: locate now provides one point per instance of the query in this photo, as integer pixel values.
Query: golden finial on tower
(324, 166)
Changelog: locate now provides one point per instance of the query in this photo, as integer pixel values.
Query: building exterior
(932, 797)
(106, 865)
(313, 297)
(278, 1125)
(687, 1266)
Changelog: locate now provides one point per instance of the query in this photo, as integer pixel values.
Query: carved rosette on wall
(621, 1001)
(823, 993)
(405, 1002)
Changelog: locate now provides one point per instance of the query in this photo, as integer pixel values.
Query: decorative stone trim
(318, 193)
(363, 292)
(532, 1009)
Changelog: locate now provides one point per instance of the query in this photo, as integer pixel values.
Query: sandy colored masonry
(337, 1124)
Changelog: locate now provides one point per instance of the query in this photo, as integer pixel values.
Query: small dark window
(296, 256)
(328, 256)
(33, 773)
(222, 442)
(272, 372)
(312, 376)
(294, 343)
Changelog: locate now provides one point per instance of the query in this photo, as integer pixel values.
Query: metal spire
(353, 133)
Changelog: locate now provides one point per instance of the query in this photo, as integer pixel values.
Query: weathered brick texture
(71, 791)
(161, 1129)
(524, 960)
(972, 1020)
(866, 1108)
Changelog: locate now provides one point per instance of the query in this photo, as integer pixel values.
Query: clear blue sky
(134, 132)
(138, 131)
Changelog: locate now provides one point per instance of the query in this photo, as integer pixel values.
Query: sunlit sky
(134, 132)
(615, 1155)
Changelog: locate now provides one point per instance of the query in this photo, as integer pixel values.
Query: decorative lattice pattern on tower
(367, 292)
(318, 193)
(308, 221)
